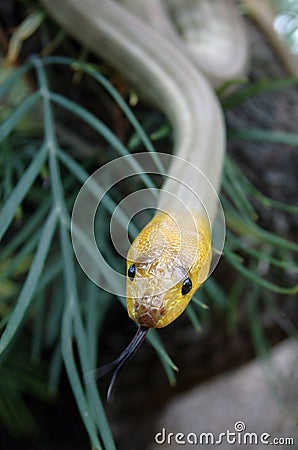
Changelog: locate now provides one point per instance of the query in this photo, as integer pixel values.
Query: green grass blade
(55, 312)
(161, 133)
(10, 123)
(38, 327)
(102, 129)
(73, 375)
(239, 201)
(236, 262)
(92, 392)
(107, 200)
(91, 120)
(256, 328)
(51, 271)
(190, 311)
(72, 327)
(51, 142)
(215, 293)
(80, 335)
(28, 229)
(235, 82)
(20, 191)
(21, 259)
(200, 303)
(95, 313)
(261, 255)
(238, 97)
(250, 229)
(80, 173)
(260, 135)
(100, 417)
(253, 191)
(6, 150)
(237, 193)
(90, 70)
(9, 82)
(167, 363)
(30, 284)
(234, 297)
(272, 238)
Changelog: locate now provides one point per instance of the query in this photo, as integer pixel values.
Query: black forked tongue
(118, 363)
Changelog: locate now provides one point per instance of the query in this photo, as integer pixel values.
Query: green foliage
(19, 378)
(42, 287)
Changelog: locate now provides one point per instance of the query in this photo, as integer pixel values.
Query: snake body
(176, 71)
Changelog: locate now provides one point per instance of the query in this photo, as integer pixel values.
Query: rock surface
(261, 397)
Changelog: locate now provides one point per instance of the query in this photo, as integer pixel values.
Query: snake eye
(131, 272)
(186, 286)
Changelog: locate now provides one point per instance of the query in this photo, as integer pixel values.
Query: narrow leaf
(9, 82)
(30, 284)
(10, 123)
(20, 191)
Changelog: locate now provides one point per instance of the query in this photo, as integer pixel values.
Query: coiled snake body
(168, 50)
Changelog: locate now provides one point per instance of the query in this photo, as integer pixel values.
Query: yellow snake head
(166, 263)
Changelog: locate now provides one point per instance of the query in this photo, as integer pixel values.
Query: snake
(174, 53)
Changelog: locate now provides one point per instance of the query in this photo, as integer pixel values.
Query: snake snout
(149, 310)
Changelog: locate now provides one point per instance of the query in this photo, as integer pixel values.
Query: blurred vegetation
(286, 22)
(47, 305)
